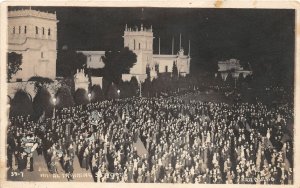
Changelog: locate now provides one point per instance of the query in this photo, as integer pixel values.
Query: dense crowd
(185, 142)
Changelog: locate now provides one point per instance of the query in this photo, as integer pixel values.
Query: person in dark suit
(31, 161)
(22, 161)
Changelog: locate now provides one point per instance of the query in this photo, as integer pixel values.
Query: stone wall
(28, 86)
(97, 81)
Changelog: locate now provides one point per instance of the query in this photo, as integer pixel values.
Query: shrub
(42, 103)
(64, 98)
(81, 96)
(21, 104)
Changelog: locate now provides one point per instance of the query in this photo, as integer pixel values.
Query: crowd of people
(184, 141)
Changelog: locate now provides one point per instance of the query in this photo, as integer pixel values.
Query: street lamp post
(140, 84)
(118, 91)
(89, 96)
(54, 102)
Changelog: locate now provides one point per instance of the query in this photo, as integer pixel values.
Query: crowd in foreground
(185, 142)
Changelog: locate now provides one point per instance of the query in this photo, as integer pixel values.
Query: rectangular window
(49, 32)
(25, 29)
(19, 79)
(36, 30)
(134, 44)
(19, 29)
(42, 54)
(166, 68)
(43, 31)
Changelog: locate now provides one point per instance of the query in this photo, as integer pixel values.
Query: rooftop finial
(126, 27)
(142, 27)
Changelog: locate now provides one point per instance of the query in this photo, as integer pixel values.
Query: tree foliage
(68, 61)
(42, 102)
(147, 88)
(229, 79)
(64, 98)
(40, 82)
(174, 71)
(14, 62)
(112, 92)
(21, 104)
(118, 63)
(68, 83)
(81, 97)
(134, 84)
(156, 68)
(97, 94)
(148, 71)
(218, 79)
(240, 80)
(126, 90)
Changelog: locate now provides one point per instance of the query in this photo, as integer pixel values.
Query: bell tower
(140, 41)
(33, 34)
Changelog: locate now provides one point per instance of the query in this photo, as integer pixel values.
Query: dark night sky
(265, 38)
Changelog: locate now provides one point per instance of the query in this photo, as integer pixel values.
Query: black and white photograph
(165, 95)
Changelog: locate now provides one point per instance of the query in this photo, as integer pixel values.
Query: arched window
(36, 30)
(14, 30)
(25, 29)
(43, 29)
(49, 32)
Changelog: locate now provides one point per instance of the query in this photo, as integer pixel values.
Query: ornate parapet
(30, 12)
(81, 80)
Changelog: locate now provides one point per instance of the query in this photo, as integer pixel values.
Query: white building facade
(34, 35)
(232, 66)
(94, 59)
(140, 41)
